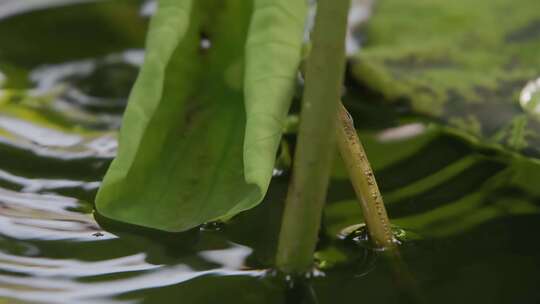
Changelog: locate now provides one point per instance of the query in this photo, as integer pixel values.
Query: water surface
(469, 213)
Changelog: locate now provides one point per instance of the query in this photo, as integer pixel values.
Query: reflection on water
(44, 217)
(62, 281)
(35, 226)
(79, 83)
(41, 185)
(39, 135)
(14, 7)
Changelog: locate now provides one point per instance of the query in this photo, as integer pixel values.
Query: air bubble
(212, 226)
(358, 234)
(529, 98)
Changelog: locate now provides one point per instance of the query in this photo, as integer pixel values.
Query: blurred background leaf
(459, 62)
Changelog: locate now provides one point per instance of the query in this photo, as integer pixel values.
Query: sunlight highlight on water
(529, 98)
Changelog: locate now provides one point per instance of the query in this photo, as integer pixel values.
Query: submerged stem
(316, 139)
(363, 181)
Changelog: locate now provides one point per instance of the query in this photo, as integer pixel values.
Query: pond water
(467, 214)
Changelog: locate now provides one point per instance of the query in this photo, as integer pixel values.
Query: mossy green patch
(464, 62)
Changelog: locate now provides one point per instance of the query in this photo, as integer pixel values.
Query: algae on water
(463, 62)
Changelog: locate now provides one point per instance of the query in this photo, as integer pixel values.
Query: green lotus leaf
(205, 117)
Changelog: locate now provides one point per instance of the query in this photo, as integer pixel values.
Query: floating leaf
(459, 61)
(204, 119)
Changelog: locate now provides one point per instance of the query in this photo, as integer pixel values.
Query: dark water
(468, 213)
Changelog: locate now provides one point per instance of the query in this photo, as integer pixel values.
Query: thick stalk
(316, 139)
(363, 181)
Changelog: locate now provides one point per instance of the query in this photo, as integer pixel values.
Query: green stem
(316, 139)
(363, 181)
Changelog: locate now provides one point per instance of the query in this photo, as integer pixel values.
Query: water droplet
(212, 226)
(278, 172)
(529, 98)
(149, 8)
(205, 44)
(358, 234)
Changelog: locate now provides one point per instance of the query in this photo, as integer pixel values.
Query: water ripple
(45, 217)
(67, 291)
(57, 138)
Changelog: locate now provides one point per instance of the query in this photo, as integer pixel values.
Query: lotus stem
(363, 181)
(316, 139)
